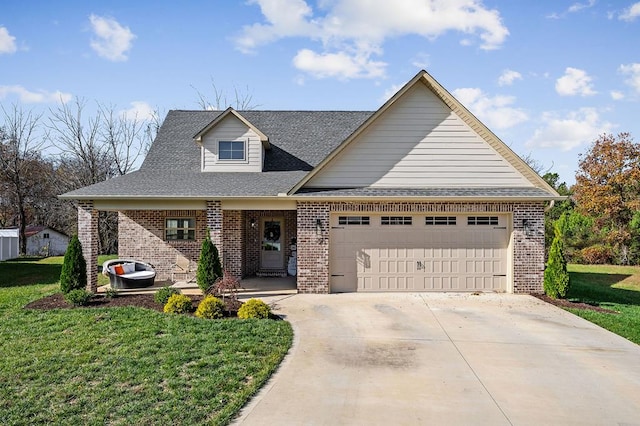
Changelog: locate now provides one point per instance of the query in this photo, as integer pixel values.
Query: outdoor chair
(183, 267)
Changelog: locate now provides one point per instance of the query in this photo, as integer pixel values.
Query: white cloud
(340, 65)
(112, 41)
(616, 95)
(390, 92)
(139, 110)
(575, 7)
(577, 128)
(574, 82)
(421, 60)
(631, 13)
(496, 112)
(357, 29)
(633, 71)
(7, 41)
(508, 77)
(37, 97)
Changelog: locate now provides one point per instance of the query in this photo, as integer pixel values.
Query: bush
(162, 296)
(556, 277)
(596, 255)
(111, 293)
(254, 308)
(210, 308)
(209, 266)
(178, 304)
(74, 268)
(78, 297)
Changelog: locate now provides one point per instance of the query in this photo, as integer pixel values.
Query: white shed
(9, 240)
(45, 241)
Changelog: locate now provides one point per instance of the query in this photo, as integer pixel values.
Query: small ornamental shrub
(596, 255)
(74, 268)
(226, 286)
(111, 293)
(254, 308)
(178, 304)
(162, 296)
(78, 297)
(210, 308)
(209, 266)
(556, 277)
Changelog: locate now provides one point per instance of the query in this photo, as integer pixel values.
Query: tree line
(41, 158)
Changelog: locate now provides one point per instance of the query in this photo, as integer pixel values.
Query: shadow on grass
(17, 273)
(597, 288)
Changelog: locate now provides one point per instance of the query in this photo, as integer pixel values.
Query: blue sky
(546, 76)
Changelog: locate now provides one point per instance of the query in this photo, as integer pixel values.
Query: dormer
(230, 143)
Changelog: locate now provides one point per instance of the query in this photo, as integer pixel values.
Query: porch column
(214, 223)
(88, 236)
(528, 250)
(313, 248)
(233, 241)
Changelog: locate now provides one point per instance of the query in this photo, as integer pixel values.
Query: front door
(272, 250)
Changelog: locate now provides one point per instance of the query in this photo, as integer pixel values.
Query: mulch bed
(563, 303)
(56, 301)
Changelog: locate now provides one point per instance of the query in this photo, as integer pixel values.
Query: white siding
(418, 142)
(55, 245)
(231, 129)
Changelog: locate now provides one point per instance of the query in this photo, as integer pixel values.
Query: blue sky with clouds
(546, 76)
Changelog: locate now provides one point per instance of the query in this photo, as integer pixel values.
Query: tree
(209, 267)
(24, 175)
(556, 277)
(74, 268)
(608, 188)
(556, 209)
(242, 99)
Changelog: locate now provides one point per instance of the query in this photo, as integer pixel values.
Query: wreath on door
(272, 231)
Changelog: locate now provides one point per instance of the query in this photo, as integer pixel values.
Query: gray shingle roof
(428, 192)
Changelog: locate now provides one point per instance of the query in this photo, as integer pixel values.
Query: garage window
(396, 220)
(440, 220)
(353, 220)
(482, 220)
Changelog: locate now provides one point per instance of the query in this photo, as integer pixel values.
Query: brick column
(88, 236)
(214, 223)
(528, 250)
(313, 248)
(232, 240)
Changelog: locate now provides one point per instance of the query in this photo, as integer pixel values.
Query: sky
(547, 76)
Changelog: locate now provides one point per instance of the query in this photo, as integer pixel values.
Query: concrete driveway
(447, 359)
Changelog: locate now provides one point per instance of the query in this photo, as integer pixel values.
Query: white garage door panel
(418, 257)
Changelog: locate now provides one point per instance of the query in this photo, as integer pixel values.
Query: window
(45, 235)
(396, 220)
(231, 150)
(482, 220)
(180, 229)
(353, 220)
(440, 220)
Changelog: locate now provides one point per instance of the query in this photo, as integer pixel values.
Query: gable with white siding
(230, 128)
(418, 142)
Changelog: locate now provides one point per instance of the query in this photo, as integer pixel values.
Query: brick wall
(141, 237)
(88, 236)
(233, 242)
(313, 249)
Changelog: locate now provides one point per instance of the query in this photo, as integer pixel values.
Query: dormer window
(232, 150)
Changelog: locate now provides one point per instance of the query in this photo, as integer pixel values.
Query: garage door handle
(499, 227)
(500, 275)
(337, 227)
(337, 275)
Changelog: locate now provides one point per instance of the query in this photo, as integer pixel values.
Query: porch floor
(258, 287)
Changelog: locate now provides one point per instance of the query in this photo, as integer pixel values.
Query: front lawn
(123, 365)
(612, 287)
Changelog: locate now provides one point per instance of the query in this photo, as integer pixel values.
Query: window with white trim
(482, 220)
(183, 228)
(353, 220)
(232, 150)
(396, 220)
(440, 220)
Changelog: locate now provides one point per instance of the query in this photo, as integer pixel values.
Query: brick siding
(313, 248)
(88, 236)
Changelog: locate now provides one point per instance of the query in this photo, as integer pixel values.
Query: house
(416, 196)
(45, 241)
(9, 242)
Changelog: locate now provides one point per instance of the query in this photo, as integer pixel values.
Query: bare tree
(240, 100)
(124, 136)
(22, 171)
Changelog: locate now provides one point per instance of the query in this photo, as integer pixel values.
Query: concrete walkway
(446, 359)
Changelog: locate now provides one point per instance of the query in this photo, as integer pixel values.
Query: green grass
(612, 287)
(123, 365)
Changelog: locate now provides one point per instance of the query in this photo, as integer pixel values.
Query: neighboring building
(45, 241)
(416, 196)
(9, 242)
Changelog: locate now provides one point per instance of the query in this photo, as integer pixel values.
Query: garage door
(418, 252)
